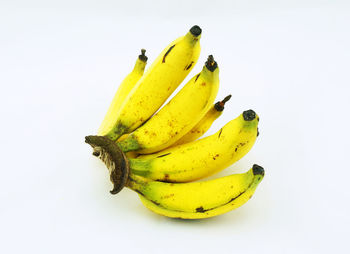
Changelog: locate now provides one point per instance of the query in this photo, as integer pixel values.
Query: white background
(60, 64)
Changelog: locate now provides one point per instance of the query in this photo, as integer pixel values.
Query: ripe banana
(203, 157)
(124, 89)
(156, 85)
(179, 116)
(204, 124)
(197, 200)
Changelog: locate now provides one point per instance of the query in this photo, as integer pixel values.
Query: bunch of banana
(159, 153)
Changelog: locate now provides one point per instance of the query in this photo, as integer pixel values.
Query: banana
(124, 89)
(204, 124)
(201, 158)
(156, 85)
(177, 117)
(197, 200)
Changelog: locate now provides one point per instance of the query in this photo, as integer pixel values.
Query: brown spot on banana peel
(114, 159)
(188, 66)
(167, 53)
(220, 133)
(214, 158)
(154, 202)
(197, 77)
(200, 209)
(163, 155)
(166, 177)
(168, 196)
(240, 145)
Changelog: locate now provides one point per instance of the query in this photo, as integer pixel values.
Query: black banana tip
(143, 57)
(220, 105)
(196, 31)
(258, 170)
(249, 115)
(211, 64)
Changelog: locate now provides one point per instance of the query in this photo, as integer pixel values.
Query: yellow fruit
(124, 89)
(201, 158)
(156, 85)
(197, 200)
(204, 124)
(177, 117)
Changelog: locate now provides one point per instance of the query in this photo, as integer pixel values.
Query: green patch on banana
(129, 144)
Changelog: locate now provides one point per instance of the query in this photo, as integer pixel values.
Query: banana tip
(258, 170)
(196, 30)
(220, 105)
(211, 64)
(249, 115)
(143, 57)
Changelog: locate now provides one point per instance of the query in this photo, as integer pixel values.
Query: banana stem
(115, 160)
(143, 57)
(211, 64)
(220, 105)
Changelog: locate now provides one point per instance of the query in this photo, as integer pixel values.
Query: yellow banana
(156, 85)
(197, 200)
(204, 124)
(177, 117)
(123, 90)
(201, 158)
